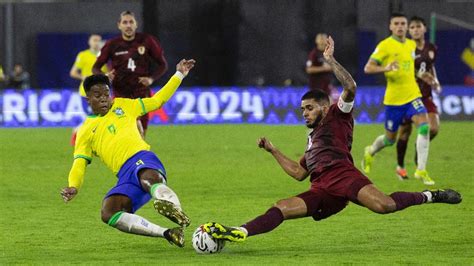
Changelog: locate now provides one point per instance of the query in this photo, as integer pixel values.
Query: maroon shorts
(330, 193)
(429, 105)
(139, 93)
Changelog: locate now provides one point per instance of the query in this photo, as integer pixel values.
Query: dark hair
(418, 19)
(317, 95)
(397, 15)
(94, 80)
(125, 13)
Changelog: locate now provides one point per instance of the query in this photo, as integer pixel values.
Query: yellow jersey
(85, 60)
(114, 137)
(401, 84)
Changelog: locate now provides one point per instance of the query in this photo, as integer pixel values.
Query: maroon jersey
(330, 143)
(424, 61)
(322, 80)
(131, 60)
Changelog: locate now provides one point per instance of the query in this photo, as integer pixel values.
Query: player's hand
(184, 66)
(427, 77)
(145, 81)
(392, 66)
(265, 144)
(68, 193)
(111, 74)
(329, 50)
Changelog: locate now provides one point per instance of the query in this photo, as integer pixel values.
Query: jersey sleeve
(379, 54)
(83, 149)
(102, 58)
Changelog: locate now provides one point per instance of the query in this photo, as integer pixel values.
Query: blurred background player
(319, 72)
(112, 135)
(19, 78)
(328, 161)
(82, 68)
(394, 56)
(137, 61)
(425, 56)
(467, 57)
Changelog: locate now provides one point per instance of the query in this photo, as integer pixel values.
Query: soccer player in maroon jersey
(425, 56)
(328, 161)
(137, 61)
(318, 70)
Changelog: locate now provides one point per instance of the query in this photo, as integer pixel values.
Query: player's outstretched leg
(375, 200)
(135, 224)
(219, 231)
(167, 204)
(369, 152)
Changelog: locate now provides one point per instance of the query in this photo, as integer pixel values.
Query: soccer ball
(204, 243)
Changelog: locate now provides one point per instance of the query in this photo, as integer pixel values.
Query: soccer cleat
(401, 173)
(367, 161)
(423, 174)
(170, 211)
(445, 196)
(175, 236)
(219, 231)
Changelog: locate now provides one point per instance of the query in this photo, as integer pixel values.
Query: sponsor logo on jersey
(417, 56)
(121, 53)
(141, 50)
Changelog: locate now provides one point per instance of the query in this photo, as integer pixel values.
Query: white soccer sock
(243, 229)
(163, 192)
(134, 224)
(422, 148)
(429, 196)
(378, 144)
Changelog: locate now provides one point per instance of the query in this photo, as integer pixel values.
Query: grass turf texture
(220, 175)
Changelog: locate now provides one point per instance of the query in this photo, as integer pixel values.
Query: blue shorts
(128, 183)
(395, 114)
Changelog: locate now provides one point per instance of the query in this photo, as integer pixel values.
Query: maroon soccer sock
(264, 223)
(407, 199)
(401, 151)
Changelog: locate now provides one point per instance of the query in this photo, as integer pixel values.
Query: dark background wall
(244, 42)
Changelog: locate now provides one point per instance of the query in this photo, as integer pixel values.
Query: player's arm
(346, 80)
(374, 64)
(158, 55)
(436, 84)
(373, 67)
(102, 60)
(292, 168)
(165, 93)
(75, 179)
(310, 69)
(75, 73)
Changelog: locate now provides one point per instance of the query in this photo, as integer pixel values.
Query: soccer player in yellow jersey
(395, 57)
(111, 134)
(82, 68)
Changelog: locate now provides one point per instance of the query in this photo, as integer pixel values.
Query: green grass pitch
(220, 175)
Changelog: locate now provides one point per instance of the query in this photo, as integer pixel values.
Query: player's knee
(424, 129)
(433, 131)
(388, 141)
(384, 206)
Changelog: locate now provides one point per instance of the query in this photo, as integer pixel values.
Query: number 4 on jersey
(131, 64)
